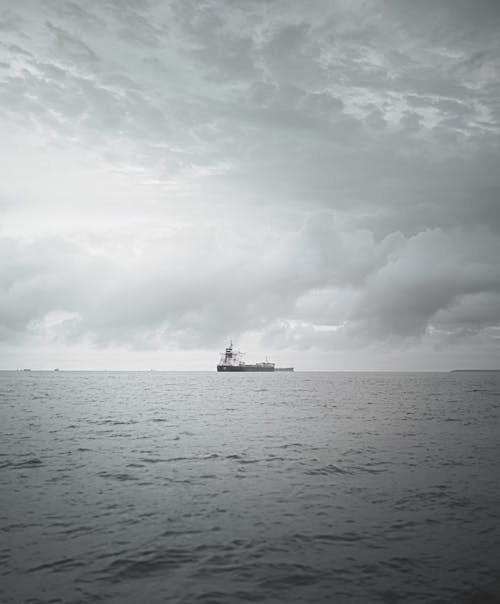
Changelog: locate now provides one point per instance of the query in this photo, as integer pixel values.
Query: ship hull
(243, 368)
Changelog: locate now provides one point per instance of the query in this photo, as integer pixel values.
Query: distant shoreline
(474, 370)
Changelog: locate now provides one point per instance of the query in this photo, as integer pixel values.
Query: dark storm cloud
(324, 175)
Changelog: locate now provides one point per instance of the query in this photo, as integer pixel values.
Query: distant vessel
(231, 360)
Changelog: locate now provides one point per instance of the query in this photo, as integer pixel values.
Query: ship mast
(229, 353)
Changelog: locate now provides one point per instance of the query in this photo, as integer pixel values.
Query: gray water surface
(285, 487)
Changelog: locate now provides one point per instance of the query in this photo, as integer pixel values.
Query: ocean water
(214, 488)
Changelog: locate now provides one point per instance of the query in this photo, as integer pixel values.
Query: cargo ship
(231, 360)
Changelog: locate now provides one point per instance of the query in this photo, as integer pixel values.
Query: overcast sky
(319, 181)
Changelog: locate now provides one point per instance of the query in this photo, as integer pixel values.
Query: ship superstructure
(232, 360)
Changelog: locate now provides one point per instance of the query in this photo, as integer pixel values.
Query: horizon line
(59, 370)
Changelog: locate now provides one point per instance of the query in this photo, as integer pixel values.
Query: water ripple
(177, 487)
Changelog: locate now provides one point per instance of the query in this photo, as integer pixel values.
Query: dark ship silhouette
(231, 360)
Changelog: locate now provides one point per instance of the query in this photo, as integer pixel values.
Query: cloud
(433, 272)
(176, 173)
(428, 282)
(327, 283)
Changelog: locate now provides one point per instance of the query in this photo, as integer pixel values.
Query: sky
(317, 181)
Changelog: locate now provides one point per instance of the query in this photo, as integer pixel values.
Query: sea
(193, 487)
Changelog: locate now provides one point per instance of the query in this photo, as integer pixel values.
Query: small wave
(212, 597)
(17, 526)
(403, 525)
(58, 565)
(297, 576)
(161, 459)
(78, 530)
(431, 497)
(180, 458)
(149, 563)
(117, 476)
(348, 537)
(290, 445)
(33, 462)
(325, 470)
(369, 469)
(172, 533)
